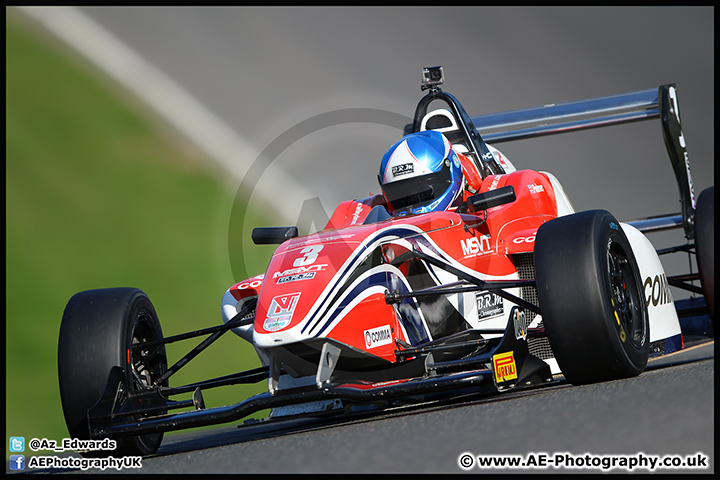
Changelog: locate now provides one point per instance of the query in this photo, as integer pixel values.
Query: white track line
(178, 107)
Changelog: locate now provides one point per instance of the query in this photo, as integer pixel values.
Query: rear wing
(661, 102)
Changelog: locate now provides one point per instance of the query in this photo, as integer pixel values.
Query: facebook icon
(17, 462)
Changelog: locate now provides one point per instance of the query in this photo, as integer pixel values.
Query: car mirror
(492, 198)
(273, 235)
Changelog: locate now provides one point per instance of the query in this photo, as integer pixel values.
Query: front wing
(497, 364)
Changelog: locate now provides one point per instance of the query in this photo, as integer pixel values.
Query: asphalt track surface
(666, 411)
(262, 71)
(653, 414)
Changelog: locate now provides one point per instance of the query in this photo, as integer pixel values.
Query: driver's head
(421, 173)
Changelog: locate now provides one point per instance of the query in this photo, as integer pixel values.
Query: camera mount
(432, 78)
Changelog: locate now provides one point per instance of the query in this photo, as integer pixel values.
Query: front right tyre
(97, 333)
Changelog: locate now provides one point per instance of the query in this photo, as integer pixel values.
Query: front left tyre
(97, 333)
(591, 299)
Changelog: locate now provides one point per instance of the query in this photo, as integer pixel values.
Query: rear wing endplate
(661, 102)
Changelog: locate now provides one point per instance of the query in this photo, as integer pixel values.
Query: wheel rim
(145, 365)
(625, 298)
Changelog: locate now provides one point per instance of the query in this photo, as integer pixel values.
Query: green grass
(98, 195)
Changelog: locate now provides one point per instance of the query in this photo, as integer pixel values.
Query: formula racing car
(398, 302)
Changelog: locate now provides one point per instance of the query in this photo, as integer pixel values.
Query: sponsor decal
(280, 313)
(674, 108)
(356, 215)
(299, 270)
(495, 182)
(403, 169)
(377, 337)
(502, 163)
(295, 278)
(474, 246)
(519, 323)
(488, 305)
(520, 240)
(254, 284)
(504, 367)
(329, 238)
(657, 291)
(690, 181)
(535, 188)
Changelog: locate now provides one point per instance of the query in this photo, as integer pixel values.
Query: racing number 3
(309, 257)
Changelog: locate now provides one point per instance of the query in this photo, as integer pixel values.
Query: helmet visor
(419, 191)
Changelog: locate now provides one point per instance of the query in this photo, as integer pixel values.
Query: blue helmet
(421, 173)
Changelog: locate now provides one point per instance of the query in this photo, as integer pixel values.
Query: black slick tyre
(97, 332)
(705, 245)
(591, 299)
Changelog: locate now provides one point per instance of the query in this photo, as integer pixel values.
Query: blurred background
(131, 132)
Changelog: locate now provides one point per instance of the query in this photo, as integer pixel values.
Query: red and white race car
(504, 288)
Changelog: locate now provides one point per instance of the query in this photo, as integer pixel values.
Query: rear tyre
(705, 245)
(97, 332)
(591, 299)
